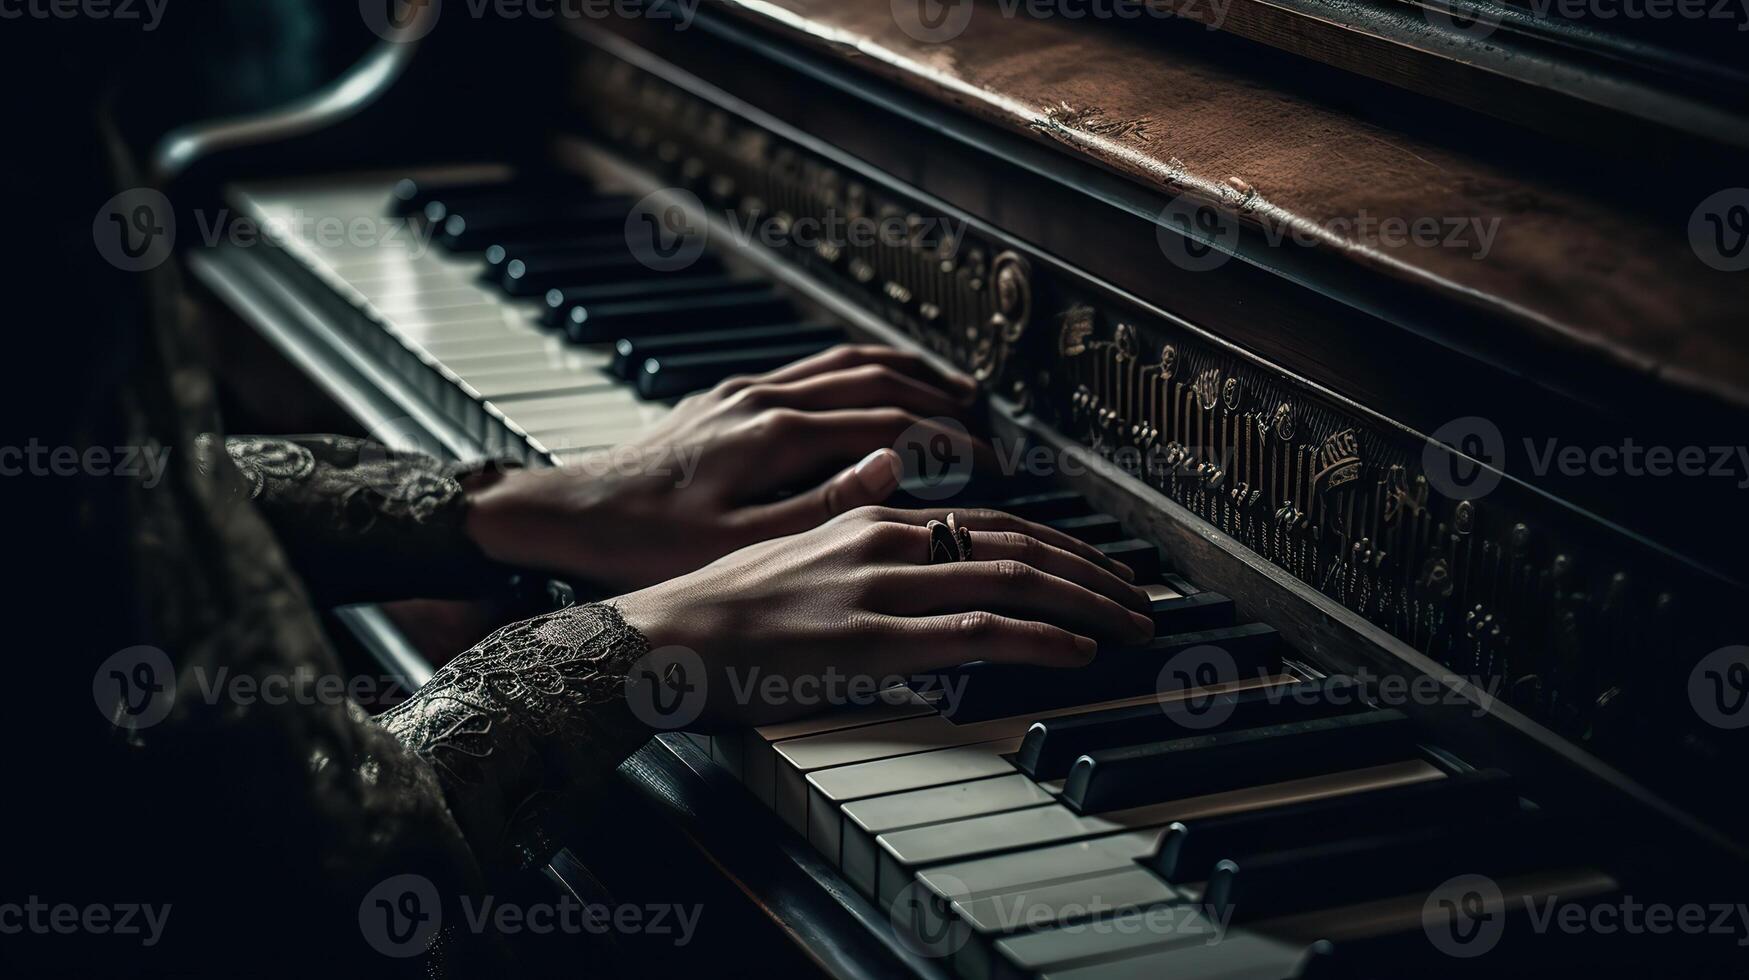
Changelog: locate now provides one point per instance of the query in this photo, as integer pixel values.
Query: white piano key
(831, 789)
(864, 821)
(1027, 954)
(800, 757)
(904, 852)
(760, 749)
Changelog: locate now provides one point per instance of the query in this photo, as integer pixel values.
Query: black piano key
(439, 202)
(1182, 586)
(608, 322)
(470, 227)
(1189, 613)
(680, 374)
(1518, 943)
(498, 255)
(1051, 747)
(1193, 765)
(629, 353)
(1051, 505)
(559, 300)
(992, 690)
(1400, 861)
(409, 197)
(1142, 557)
(536, 274)
(1090, 528)
(1189, 852)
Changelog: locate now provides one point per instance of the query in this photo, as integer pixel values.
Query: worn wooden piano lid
(1581, 271)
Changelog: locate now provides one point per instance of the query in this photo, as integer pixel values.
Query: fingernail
(1086, 646)
(1144, 625)
(878, 473)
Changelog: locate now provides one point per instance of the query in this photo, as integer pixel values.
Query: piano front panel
(1588, 629)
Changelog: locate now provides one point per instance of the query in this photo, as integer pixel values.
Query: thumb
(868, 482)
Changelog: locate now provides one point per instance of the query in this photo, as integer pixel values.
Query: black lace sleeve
(361, 522)
(535, 715)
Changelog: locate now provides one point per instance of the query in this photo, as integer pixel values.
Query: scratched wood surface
(1605, 276)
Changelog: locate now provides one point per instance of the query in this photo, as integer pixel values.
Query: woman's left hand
(705, 481)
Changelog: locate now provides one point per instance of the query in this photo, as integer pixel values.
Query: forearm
(364, 523)
(533, 717)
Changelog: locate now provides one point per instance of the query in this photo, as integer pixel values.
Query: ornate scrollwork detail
(1231, 394)
(1168, 361)
(1283, 422)
(1463, 518)
(1124, 342)
(1338, 461)
(1076, 327)
(1208, 389)
(1403, 496)
(1012, 281)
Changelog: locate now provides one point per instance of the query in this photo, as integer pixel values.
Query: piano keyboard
(1128, 827)
(1112, 822)
(517, 306)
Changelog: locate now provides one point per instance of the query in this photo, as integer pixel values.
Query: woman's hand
(706, 480)
(857, 596)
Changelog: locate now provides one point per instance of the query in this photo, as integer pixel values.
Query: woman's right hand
(858, 596)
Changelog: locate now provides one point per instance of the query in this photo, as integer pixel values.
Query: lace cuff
(362, 522)
(533, 717)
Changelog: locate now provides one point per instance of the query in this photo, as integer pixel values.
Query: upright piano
(1399, 345)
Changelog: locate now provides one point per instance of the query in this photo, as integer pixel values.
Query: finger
(1010, 588)
(788, 448)
(856, 355)
(981, 519)
(1064, 564)
(869, 482)
(865, 386)
(934, 642)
